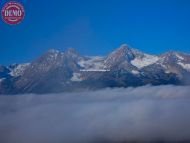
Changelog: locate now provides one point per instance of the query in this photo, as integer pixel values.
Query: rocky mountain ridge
(57, 71)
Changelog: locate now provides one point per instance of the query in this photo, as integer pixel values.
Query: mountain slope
(57, 71)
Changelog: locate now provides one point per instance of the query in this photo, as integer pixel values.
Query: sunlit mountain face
(57, 71)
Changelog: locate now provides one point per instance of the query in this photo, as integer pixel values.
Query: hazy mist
(148, 113)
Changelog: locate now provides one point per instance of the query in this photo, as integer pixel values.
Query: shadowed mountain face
(57, 71)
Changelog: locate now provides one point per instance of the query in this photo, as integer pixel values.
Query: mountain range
(68, 71)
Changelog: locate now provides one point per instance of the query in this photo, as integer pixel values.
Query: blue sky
(96, 27)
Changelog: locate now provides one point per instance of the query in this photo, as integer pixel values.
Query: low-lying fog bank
(148, 113)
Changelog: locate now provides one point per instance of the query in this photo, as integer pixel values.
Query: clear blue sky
(96, 27)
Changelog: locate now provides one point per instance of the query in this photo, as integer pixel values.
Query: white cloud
(143, 113)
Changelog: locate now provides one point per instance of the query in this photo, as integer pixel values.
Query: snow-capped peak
(133, 56)
(124, 52)
(171, 61)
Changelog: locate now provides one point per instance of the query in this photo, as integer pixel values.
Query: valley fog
(144, 114)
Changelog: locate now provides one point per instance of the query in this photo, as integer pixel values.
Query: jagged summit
(124, 54)
(120, 54)
(124, 47)
(72, 53)
(53, 51)
(126, 50)
(71, 50)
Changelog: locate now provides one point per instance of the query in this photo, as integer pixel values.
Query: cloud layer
(148, 113)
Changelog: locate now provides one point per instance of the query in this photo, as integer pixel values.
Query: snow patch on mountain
(179, 57)
(135, 72)
(165, 67)
(144, 61)
(53, 54)
(185, 66)
(19, 69)
(76, 77)
(95, 63)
